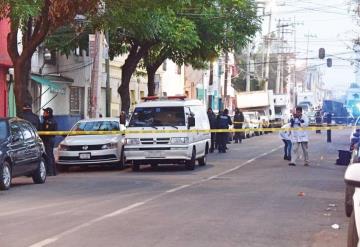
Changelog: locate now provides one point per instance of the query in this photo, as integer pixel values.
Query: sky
(331, 25)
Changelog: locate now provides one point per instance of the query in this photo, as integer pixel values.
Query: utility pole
(279, 57)
(94, 43)
(107, 70)
(226, 79)
(268, 43)
(308, 36)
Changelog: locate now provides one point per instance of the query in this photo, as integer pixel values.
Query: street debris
(335, 227)
(332, 205)
(301, 194)
(327, 214)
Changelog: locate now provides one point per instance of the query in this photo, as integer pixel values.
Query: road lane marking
(124, 210)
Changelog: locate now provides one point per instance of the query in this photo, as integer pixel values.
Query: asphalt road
(247, 197)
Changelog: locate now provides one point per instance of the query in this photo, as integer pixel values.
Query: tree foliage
(36, 19)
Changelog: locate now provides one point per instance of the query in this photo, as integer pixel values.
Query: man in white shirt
(299, 137)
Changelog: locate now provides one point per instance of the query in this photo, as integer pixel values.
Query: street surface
(247, 197)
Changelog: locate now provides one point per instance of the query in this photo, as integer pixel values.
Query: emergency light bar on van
(153, 98)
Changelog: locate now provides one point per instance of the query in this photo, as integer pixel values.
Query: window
(96, 126)
(77, 100)
(3, 130)
(132, 97)
(157, 116)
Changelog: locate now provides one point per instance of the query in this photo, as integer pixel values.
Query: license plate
(155, 154)
(85, 156)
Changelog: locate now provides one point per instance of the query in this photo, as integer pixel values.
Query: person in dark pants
(328, 121)
(223, 122)
(212, 120)
(318, 120)
(31, 117)
(49, 124)
(238, 124)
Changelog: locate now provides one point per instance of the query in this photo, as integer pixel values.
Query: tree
(221, 26)
(35, 19)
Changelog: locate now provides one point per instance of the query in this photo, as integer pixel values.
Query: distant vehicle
(340, 115)
(166, 147)
(312, 117)
(22, 152)
(255, 123)
(80, 150)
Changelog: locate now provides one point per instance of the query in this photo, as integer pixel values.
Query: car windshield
(157, 116)
(3, 130)
(96, 126)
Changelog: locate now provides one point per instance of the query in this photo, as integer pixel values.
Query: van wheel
(5, 175)
(135, 167)
(349, 192)
(353, 238)
(202, 161)
(190, 164)
(39, 176)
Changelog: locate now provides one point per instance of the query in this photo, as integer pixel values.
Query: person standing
(223, 122)
(328, 122)
(299, 137)
(238, 124)
(285, 136)
(31, 117)
(318, 121)
(49, 124)
(212, 120)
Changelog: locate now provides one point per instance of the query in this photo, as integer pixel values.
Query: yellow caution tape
(66, 133)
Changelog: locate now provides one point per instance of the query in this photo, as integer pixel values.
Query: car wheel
(135, 167)
(39, 176)
(122, 161)
(353, 238)
(349, 192)
(5, 175)
(190, 164)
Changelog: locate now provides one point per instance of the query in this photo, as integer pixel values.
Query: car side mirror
(352, 175)
(191, 122)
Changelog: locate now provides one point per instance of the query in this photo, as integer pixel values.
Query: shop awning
(46, 82)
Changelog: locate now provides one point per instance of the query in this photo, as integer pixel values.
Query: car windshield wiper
(174, 127)
(153, 126)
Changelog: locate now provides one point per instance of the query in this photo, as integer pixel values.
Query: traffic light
(329, 62)
(321, 53)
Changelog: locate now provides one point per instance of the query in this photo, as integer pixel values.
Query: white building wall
(171, 82)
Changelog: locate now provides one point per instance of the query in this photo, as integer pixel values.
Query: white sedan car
(78, 150)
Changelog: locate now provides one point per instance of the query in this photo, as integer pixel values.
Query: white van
(168, 114)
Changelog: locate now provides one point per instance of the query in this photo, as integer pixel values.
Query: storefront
(5, 64)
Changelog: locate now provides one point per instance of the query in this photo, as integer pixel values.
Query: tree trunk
(136, 53)
(151, 81)
(21, 82)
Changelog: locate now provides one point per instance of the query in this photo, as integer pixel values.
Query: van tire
(190, 164)
(202, 160)
(353, 238)
(5, 167)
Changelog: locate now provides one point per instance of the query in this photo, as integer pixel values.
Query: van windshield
(157, 116)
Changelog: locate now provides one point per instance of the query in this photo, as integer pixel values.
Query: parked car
(22, 152)
(166, 147)
(83, 150)
(355, 133)
(352, 178)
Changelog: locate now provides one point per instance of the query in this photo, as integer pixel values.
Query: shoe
(286, 158)
(289, 158)
(292, 164)
(211, 150)
(306, 164)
